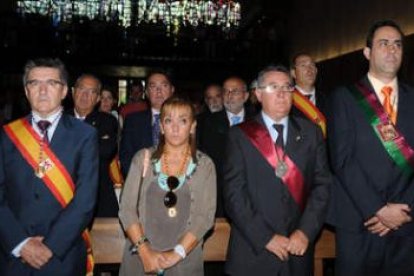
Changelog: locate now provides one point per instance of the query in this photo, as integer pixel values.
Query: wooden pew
(108, 243)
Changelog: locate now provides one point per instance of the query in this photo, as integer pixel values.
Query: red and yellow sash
(115, 171)
(293, 179)
(55, 177)
(309, 110)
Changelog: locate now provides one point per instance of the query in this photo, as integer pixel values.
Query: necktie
(279, 139)
(386, 91)
(235, 120)
(309, 96)
(43, 126)
(156, 130)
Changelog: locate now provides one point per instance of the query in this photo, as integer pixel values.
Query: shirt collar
(240, 114)
(378, 84)
(303, 92)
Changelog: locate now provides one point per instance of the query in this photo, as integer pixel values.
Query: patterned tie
(43, 126)
(156, 130)
(279, 139)
(235, 120)
(386, 91)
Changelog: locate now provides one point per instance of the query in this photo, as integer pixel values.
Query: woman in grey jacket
(169, 200)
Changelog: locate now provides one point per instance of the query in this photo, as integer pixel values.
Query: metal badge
(281, 169)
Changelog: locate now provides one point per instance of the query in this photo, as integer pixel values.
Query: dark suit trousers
(365, 254)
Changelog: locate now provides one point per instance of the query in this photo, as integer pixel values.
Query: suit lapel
(405, 113)
(59, 138)
(294, 137)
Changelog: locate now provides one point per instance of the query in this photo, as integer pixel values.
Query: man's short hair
(273, 68)
(295, 57)
(206, 88)
(163, 72)
(92, 76)
(240, 79)
(54, 63)
(380, 24)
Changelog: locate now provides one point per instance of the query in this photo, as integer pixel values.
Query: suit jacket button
(36, 196)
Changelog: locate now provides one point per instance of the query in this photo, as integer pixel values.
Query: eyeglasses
(235, 92)
(88, 91)
(273, 88)
(170, 198)
(158, 87)
(36, 84)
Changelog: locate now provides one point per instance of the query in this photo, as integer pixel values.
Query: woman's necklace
(181, 170)
(170, 199)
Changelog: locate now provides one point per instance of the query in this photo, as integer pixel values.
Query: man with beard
(214, 132)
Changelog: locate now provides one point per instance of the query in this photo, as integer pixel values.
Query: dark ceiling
(258, 40)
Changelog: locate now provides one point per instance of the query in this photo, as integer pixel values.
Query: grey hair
(54, 63)
(273, 68)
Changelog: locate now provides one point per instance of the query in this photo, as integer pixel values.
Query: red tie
(386, 91)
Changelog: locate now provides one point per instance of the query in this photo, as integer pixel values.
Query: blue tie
(235, 120)
(156, 130)
(279, 139)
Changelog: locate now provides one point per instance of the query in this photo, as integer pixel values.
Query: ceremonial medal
(40, 171)
(172, 212)
(281, 169)
(387, 132)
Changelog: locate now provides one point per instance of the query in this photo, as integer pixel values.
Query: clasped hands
(390, 217)
(155, 261)
(35, 253)
(296, 244)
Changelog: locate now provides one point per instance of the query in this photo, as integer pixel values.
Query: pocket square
(106, 136)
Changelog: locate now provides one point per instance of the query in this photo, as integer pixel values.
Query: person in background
(169, 199)
(86, 94)
(308, 101)
(213, 102)
(136, 101)
(212, 136)
(141, 129)
(108, 101)
(48, 181)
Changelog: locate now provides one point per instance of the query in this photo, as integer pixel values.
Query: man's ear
(65, 91)
(367, 53)
(293, 73)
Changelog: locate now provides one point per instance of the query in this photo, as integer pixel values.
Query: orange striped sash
(309, 110)
(55, 176)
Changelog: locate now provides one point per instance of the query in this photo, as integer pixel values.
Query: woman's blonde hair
(170, 104)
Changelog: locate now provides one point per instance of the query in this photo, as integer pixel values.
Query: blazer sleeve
(346, 167)
(126, 148)
(11, 231)
(238, 202)
(318, 199)
(74, 219)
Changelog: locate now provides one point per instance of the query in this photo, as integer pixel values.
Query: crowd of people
(279, 159)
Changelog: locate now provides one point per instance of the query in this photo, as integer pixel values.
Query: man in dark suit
(276, 196)
(312, 104)
(86, 95)
(213, 131)
(142, 129)
(48, 181)
(371, 137)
